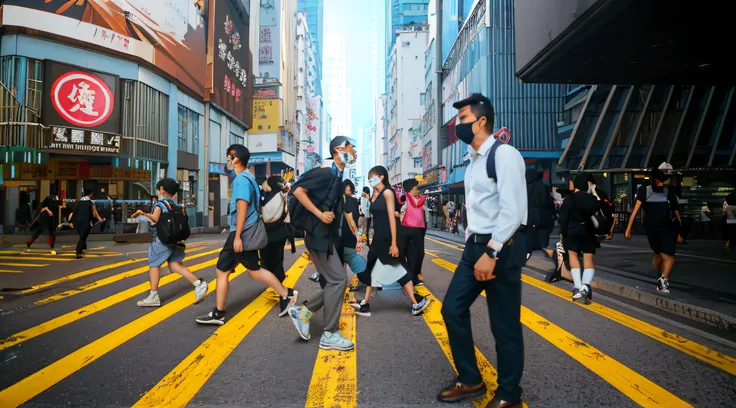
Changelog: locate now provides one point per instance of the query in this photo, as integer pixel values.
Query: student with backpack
(578, 236)
(247, 236)
(167, 245)
(82, 220)
(275, 213)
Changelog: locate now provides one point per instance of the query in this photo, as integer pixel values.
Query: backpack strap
(491, 161)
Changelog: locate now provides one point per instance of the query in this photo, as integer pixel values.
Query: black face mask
(465, 133)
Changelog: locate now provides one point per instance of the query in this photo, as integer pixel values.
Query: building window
(236, 139)
(188, 130)
(418, 162)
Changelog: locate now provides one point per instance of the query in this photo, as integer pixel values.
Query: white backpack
(273, 211)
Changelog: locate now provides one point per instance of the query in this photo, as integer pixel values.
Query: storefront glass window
(188, 130)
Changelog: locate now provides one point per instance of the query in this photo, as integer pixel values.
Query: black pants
(83, 232)
(412, 244)
(45, 225)
(504, 308)
(272, 258)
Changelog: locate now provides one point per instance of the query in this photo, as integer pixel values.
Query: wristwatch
(492, 253)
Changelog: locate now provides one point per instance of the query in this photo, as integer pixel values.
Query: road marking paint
(88, 249)
(34, 258)
(33, 265)
(635, 386)
(334, 380)
(436, 323)
(112, 279)
(92, 308)
(9, 271)
(703, 353)
(43, 379)
(178, 387)
(457, 247)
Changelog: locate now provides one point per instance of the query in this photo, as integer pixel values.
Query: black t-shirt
(52, 204)
(349, 207)
(658, 202)
(324, 190)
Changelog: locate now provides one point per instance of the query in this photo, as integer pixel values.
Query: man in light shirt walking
(495, 251)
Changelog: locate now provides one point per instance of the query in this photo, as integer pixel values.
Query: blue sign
(256, 158)
(218, 168)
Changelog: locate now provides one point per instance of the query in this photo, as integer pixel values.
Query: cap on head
(480, 106)
(339, 141)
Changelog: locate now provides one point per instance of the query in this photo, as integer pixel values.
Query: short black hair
(241, 152)
(591, 179)
(169, 185)
(337, 142)
(88, 191)
(480, 106)
(366, 190)
(408, 184)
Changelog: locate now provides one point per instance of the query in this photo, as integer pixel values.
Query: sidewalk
(703, 280)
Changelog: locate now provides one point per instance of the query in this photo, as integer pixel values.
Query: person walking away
(658, 202)
(350, 234)
(541, 213)
(46, 221)
(244, 204)
(275, 212)
(578, 236)
(414, 229)
(82, 221)
(603, 200)
(385, 262)
(730, 211)
(317, 204)
(159, 253)
(495, 249)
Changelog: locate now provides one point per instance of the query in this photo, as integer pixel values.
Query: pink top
(414, 216)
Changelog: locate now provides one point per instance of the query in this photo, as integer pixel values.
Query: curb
(661, 302)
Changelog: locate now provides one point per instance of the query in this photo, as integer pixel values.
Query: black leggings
(412, 245)
(272, 258)
(46, 225)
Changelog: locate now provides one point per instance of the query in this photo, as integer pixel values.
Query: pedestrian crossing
(336, 377)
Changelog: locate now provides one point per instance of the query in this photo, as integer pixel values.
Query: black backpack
(602, 219)
(491, 161)
(172, 226)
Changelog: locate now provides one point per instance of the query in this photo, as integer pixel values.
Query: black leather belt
(480, 238)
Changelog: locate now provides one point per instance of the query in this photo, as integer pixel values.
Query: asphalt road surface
(73, 336)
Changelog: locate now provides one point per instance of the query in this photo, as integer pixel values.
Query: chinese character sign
(80, 141)
(231, 72)
(78, 98)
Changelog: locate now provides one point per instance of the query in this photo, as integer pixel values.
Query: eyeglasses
(230, 157)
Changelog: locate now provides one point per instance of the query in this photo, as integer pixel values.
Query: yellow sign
(266, 116)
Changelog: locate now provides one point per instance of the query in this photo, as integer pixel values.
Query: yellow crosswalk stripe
(9, 271)
(35, 258)
(33, 265)
(112, 279)
(29, 387)
(433, 317)
(703, 353)
(178, 387)
(334, 380)
(92, 308)
(635, 386)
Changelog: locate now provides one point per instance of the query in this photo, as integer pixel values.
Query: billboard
(266, 116)
(232, 71)
(79, 98)
(167, 34)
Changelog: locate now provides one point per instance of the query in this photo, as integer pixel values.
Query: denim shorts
(158, 253)
(356, 262)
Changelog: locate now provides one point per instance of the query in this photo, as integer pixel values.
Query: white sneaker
(200, 291)
(151, 301)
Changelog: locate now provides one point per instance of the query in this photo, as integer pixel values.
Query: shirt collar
(483, 150)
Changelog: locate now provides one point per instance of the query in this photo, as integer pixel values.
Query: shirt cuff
(497, 246)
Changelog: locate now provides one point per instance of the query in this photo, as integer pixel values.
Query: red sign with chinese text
(82, 99)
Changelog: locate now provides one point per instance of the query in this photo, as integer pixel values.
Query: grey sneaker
(335, 341)
(151, 301)
(200, 291)
(417, 309)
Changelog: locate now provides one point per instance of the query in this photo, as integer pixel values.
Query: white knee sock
(576, 277)
(588, 274)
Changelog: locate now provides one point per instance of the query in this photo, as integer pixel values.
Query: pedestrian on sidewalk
(159, 253)
(319, 204)
(659, 202)
(730, 211)
(578, 236)
(45, 221)
(414, 228)
(244, 205)
(386, 264)
(541, 213)
(495, 249)
(82, 221)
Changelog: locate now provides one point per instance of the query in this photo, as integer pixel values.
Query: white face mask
(374, 181)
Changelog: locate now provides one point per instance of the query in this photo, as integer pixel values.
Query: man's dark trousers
(504, 307)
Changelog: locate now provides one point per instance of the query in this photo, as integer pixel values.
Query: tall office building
(404, 15)
(335, 88)
(315, 12)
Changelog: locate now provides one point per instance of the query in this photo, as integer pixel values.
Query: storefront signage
(266, 116)
(232, 86)
(265, 157)
(75, 97)
(218, 168)
(80, 141)
(436, 190)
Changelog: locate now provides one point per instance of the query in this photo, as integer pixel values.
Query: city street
(71, 334)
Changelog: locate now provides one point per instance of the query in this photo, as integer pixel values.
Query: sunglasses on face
(230, 157)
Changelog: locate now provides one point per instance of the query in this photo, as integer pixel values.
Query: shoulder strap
(255, 188)
(491, 161)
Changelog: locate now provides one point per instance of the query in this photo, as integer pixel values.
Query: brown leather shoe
(499, 403)
(458, 391)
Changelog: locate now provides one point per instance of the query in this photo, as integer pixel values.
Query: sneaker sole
(420, 311)
(293, 302)
(211, 322)
(149, 304)
(365, 314)
(328, 347)
(296, 325)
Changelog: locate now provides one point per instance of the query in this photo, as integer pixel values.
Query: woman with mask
(274, 217)
(385, 263)
(578, 236)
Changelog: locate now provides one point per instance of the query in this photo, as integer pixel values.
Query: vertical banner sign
(232, 69)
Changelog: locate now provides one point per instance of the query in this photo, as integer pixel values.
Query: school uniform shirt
(496, 207)
(244, 188)
(658, 203)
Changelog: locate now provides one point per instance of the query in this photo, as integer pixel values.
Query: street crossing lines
(178, 387)
(35, 257)
(33, 265)
(635, 386)
(9, 271)
(334, 380)
(92, 308)
(45, 378)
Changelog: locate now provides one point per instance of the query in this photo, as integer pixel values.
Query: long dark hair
(381, 171)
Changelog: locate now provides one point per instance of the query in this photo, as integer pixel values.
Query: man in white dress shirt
(495, 251)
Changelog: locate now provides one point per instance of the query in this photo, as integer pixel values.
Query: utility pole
(438, 86)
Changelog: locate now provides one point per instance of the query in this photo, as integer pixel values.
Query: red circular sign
(82, 99)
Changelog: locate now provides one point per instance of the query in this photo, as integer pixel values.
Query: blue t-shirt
(244, 189)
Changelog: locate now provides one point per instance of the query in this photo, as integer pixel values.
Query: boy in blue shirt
(243, 212)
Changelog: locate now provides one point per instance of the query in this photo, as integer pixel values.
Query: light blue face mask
(374, 181)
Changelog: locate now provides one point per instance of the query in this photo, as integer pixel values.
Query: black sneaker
(362, 309)
(215, 318)
(79, 256)
(287, 302)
